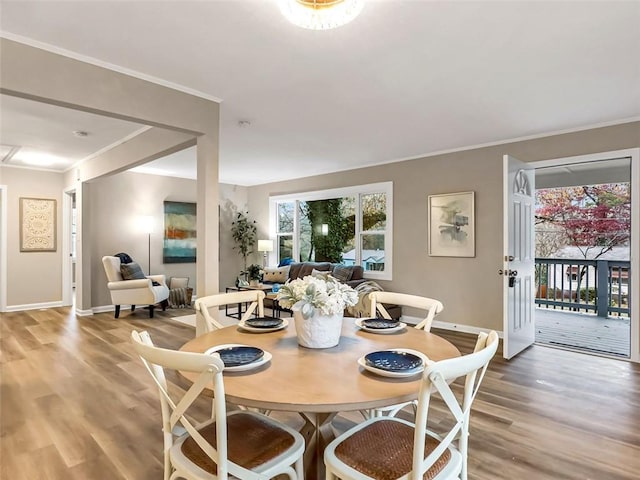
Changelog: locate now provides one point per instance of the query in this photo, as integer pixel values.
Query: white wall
(233, 198)
(470, 288)
(33, 278)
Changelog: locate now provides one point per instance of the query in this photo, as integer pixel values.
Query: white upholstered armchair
(134, 292)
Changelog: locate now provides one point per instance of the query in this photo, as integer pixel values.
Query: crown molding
(109, 66)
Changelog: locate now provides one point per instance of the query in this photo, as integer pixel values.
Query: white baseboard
(450, 326)
(102, 309)
(83, 313)
(33, 306)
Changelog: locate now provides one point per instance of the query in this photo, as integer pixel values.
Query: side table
(273, 303)
(242, 306)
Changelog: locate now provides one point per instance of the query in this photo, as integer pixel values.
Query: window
(350, 225)
(285, 229)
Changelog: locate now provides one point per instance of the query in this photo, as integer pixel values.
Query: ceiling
(41, 135)
(404, 80)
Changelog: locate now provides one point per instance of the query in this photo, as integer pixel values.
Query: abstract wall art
(452, 225)
(179, 232)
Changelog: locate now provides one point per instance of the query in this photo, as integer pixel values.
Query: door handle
(510, 274)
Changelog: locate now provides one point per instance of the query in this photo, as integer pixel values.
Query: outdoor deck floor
(584, 332)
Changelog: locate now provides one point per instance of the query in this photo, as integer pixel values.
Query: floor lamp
(265, 246)
(146, 223)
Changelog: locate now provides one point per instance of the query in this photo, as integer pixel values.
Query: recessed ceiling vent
(7, 152)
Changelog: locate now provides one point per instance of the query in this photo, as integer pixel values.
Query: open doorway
(3, 248)
(69, 256)
(583, 252)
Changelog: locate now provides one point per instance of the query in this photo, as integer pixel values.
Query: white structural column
(207, 265)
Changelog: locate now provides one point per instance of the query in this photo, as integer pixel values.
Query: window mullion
(296, 230)
(359, 230)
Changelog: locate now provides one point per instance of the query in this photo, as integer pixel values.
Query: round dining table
(319, 383)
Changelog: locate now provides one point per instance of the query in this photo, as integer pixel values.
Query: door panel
(519, 258)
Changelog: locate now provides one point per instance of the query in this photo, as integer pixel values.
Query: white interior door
(519, 256)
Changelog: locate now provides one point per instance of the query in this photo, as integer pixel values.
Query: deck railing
(597, 286)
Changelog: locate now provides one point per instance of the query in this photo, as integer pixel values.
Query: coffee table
(238, 314)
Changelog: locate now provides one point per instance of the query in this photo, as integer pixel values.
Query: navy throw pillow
(131, 271)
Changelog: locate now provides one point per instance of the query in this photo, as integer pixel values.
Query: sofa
(352, 275)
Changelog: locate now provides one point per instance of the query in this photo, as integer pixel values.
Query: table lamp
(265, 246)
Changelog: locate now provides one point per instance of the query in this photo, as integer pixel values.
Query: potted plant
(254, 273)
(317, 306)
(244, 233)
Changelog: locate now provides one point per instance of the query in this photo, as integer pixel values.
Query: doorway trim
(634, 155)
(67, 212)
(3, 248)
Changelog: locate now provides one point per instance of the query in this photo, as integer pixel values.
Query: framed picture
(37, 225)
(179, 233)
(452, 225)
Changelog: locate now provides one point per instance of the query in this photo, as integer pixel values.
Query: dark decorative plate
(393, 361)
(241, 355)
(379, 323)
(263, 322)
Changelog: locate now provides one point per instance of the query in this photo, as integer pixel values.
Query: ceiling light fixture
(320, 14)
(37, 159)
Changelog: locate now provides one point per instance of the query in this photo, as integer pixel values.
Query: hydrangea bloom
(307, 294)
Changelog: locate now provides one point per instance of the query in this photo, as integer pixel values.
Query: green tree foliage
(329, 247)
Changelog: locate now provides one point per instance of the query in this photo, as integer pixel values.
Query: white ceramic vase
(318, 331)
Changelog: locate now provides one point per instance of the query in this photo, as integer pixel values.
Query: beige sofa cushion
(276, 274)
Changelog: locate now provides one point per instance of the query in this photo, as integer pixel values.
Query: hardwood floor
(77, 404)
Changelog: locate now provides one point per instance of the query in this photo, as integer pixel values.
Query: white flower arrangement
(329, 296)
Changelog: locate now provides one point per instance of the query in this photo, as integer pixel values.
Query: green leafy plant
(254, 272)
(244, 233)
(588, 293)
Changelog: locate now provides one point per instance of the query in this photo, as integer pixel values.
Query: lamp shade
(146, 223)
(265, 245)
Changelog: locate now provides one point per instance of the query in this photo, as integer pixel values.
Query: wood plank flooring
(77, 404)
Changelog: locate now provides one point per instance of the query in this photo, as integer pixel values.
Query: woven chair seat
(384, 451)
(251, 442)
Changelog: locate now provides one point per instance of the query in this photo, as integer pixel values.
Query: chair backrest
(210, 368)
(436, 378)
(112, 268)
(255, 298)
(429, 305)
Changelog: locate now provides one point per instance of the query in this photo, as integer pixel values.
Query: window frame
(352, 191)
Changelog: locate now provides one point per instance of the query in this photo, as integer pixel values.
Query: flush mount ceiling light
(37, 159)
(320, 14)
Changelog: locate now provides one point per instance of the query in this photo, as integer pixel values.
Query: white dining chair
(242, 444)
(430, 306)
(253, 298)
(391, 448)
